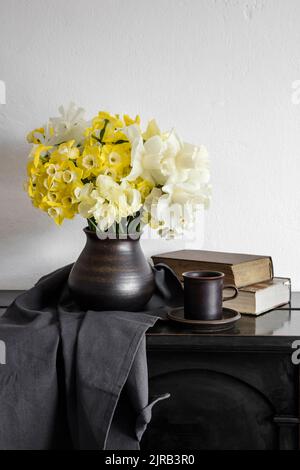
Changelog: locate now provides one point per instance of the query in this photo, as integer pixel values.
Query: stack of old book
(259, 290)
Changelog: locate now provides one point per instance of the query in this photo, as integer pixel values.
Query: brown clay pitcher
(111, 274)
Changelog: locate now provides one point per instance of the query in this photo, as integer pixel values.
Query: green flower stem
(92, 224)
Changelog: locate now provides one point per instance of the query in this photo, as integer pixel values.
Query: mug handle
(231, 297)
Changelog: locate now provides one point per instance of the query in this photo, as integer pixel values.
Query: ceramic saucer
(228, 320)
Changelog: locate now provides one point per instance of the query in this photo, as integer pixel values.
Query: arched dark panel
(209, 410)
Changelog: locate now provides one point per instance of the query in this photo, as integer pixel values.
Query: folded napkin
(75, 379)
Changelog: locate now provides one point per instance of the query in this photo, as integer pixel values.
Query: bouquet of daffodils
(115, 175)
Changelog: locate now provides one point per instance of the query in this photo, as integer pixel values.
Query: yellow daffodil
(52, 169)
(116, 160)
(35, 171)
(67, 201)
(113, 119)
(90, 161)
(70, 172)
(129, 121)
(143, 186)
(37, 136)
(38, 152)
(107, 128)
(30, 187)
(109, 170)
(152, 130)
(58, 214)
(64, 152)
(38, 200)
(69, 149)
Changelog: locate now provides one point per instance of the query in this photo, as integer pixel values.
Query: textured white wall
(221, 71)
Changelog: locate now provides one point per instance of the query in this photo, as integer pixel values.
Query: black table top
(283, 322)
(280, 322)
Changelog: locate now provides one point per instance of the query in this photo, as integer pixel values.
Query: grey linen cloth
(75, 379)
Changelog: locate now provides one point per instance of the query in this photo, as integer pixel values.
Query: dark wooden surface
(232, 390)
(276, 327)
(8, 295)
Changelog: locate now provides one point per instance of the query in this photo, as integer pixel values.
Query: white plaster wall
(221, 71)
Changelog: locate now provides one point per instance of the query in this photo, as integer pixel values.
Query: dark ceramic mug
(203, 295)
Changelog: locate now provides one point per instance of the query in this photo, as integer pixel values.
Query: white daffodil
(84, 192)
(108, 188)
(134, 136)
(125, 198)
(109, 202)
(70, 125)
(149, 214)
(152, 130)
(194, 189)
(105, 216)
(176, 219)
(192, 157)
(87, 200)
(182, 174)
(172, 209)
(163, 158)
(130, 201)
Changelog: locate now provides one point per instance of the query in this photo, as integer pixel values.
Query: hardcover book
(262, 297)
(239, 269)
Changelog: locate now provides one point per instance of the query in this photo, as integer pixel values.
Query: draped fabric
(74, 379)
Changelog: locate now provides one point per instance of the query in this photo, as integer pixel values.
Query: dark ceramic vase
(111, 274)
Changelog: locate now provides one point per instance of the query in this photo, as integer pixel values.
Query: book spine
(271, 268)
(232, 279)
